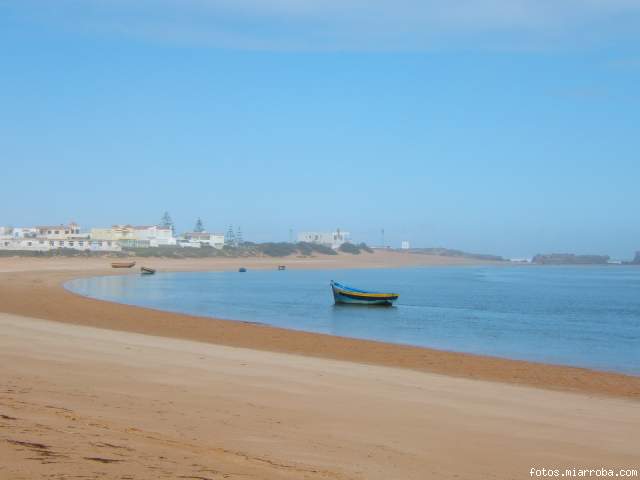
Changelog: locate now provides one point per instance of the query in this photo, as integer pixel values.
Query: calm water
(584, 316)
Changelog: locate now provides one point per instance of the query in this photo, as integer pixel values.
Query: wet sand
(114, 391)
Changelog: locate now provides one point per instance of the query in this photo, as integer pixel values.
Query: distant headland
(570, 259)
(573, 259)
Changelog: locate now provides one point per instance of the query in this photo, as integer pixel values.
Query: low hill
(570, 259)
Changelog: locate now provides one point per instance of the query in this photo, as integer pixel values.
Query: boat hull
(345, 299)
(358, 297)
(122, 264)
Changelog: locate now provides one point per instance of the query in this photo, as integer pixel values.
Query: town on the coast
(161, 238)
(116, 238)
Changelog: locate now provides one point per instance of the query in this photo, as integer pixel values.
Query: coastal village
(111, 239)
(44, 238)
(117, 238)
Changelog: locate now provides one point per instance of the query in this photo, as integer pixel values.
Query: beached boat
(281, 267)
(344, 294)
(122, 264)
(147, 271)
(242, 269)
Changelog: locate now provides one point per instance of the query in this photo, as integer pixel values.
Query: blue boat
(344, 294)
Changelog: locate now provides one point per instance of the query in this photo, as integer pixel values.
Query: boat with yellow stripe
(344, 294)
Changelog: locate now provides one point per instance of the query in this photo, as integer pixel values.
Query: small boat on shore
(344, 294)
(281, 267)
(122, 264)
(147, 271)
(242, 269)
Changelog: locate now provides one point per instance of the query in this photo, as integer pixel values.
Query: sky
(509, 127)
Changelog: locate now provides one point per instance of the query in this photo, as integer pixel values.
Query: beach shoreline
(38, 292)
(96, 389)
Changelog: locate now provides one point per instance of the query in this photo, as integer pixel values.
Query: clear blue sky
(501, 126)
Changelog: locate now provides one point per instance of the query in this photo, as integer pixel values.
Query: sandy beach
(91, 389)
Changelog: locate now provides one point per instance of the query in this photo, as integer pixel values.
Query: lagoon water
(581, 316)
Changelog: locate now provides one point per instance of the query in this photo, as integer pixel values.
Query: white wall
(47, 244)
(155, 235)
(217, 240)
(189, 244)
(329, 239)
(26, 244)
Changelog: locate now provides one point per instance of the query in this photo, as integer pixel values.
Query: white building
(155, 235)
(197, 239)
(405, 245)
(23, 244)
(6, 232)
(45, 245)
(22, 232)
(135, 236)
(328, 239)
(46, 238)
(58, 231)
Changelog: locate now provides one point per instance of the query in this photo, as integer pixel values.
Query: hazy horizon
(499, 127)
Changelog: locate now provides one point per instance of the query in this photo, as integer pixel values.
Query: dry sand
(138, 398)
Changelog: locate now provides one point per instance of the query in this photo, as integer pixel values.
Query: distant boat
(242, 269)
(344, 294)
(281, 267)
(147, 271)
(122, 264)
